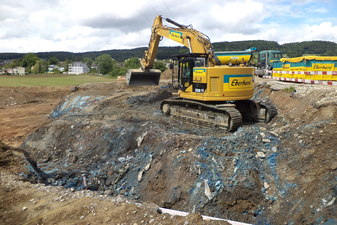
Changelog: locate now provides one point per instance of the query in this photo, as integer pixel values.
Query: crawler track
(225, 116)
(222, 116)
(271, 111)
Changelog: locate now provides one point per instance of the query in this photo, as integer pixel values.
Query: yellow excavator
(209, 93)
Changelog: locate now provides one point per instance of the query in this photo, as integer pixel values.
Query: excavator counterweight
(138, 77)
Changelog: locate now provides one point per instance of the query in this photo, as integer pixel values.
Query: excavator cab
(187, 63)
(185, 73)
(138, 77)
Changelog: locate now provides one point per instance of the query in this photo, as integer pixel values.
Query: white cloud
(78, 26)
(324, 31)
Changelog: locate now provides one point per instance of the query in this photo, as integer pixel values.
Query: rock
(74, 89)
(82, 217)
(266, 185)
(122, 159)
(261, 155)
(140, 139)
(147, 167)
(140, 175)
(266, 140)
(151, 221)
(331, 202)
(274, 133)
(24, 208)
(274, 149)
(208, 192)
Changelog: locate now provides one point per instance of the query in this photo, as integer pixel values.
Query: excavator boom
(185, 35)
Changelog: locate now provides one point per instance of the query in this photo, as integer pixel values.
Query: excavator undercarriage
(225, 116)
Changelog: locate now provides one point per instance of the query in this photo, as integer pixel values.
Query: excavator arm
(196, 41)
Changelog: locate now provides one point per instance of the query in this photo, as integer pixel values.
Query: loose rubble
(276, 173)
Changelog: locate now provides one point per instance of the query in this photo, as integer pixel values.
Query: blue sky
(80, 25)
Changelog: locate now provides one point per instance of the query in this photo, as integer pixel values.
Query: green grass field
(50, 80)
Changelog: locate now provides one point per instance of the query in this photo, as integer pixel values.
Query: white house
(19, 71)
(78, 68)
(52, 67)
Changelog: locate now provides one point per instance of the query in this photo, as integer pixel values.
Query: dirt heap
(116, 137)
(167, 74)
(7, 158)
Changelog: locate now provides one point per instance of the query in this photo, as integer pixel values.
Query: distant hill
(291, 49)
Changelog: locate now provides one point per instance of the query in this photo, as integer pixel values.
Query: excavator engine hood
(138, 77)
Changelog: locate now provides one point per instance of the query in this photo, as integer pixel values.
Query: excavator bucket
(138, 77)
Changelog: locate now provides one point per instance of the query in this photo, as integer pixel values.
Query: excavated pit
(116, 139)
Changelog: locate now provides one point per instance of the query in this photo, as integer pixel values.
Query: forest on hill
(324, 48)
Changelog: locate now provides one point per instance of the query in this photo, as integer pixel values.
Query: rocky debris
(260, 155)
(140, 139)
(252, 175)
(74, 89)
(89, 206)
(8, 157)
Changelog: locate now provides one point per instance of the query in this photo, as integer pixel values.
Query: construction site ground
(105, 154)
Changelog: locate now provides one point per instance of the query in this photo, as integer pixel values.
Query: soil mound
(167, 74)
(7, 158)
(113, 139)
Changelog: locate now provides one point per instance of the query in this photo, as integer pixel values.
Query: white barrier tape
(303, 80)
(181, 213)
(304, 72)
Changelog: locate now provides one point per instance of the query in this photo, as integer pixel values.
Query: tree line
(323, 48)
(105, 64)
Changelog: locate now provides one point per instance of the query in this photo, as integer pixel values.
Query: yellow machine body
(221, 83)
(214, 88)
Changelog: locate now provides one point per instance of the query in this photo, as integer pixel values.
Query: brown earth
(306, 117)
(24, 109)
